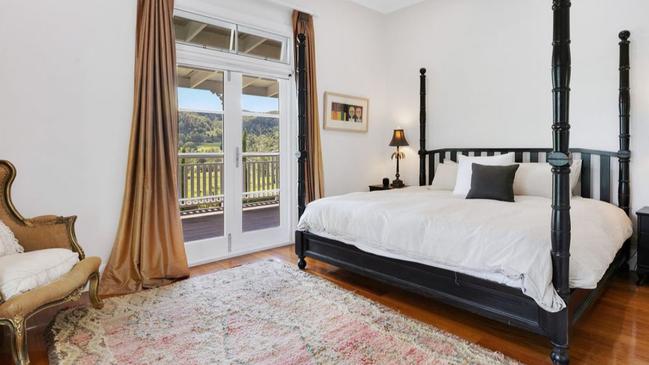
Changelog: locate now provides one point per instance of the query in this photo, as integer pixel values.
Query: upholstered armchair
(38, 234)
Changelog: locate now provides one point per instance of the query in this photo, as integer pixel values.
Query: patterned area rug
(262, 313)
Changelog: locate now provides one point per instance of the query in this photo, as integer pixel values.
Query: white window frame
(263, 34)
(209, 21)
(235, 28)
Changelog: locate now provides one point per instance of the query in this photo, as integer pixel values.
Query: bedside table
(643, 244)
(381, 187)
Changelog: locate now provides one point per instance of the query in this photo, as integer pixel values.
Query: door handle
(237, 156)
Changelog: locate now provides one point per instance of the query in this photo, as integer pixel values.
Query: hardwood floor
(615, 331)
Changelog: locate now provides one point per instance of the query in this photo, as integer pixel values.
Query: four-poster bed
(478, 295)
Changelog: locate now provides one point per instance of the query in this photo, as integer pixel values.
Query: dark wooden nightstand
(643, 243)
(381, 187)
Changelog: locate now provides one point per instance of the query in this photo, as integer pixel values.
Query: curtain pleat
(314, 178)
(149, 248)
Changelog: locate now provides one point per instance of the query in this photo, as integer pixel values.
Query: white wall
(350, 58)
(66, 80)
(66, 99)
(489, 75)
(66, 88)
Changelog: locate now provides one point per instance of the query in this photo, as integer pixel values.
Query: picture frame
(345, 112)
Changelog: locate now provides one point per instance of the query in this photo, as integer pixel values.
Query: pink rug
(263, 313)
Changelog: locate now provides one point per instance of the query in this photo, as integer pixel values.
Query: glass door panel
(201, 170)
(260, 144)
(230, 162)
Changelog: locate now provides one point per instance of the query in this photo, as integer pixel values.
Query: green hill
(203, 132)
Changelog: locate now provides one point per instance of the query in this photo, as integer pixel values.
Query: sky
(205, 101)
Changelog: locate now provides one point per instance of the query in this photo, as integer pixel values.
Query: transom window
(229, 37)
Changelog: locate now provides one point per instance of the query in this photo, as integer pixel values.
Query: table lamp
(398, 140)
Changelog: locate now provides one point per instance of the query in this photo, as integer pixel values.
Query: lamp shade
(398, 138)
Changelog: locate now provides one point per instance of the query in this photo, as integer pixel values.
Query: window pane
(260, 95)
(201, 34)
(200, 152)
(200, 90)
(260, 142)
(250, 44)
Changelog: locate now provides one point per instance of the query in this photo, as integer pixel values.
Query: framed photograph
(345, 113)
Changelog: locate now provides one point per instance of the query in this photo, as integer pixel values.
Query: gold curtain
(313, 177)
(149, 248)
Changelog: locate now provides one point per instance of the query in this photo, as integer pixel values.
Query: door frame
(235, 241)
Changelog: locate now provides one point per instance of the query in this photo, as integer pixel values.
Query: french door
(233, 160)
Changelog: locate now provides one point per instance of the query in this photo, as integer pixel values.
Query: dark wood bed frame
(483, 297)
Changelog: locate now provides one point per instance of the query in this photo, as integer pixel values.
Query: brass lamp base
(397, 183)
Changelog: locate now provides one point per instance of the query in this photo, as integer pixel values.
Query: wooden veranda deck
(208, 226)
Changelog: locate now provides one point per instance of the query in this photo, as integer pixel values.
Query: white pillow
(533, 179)
(22, 272)
(445, 176)
(536, 179)
(575, 174)
(464, 171)
(8, 243)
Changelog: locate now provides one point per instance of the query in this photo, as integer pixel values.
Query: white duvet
(504, 242)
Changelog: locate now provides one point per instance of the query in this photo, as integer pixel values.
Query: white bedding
(504, 242)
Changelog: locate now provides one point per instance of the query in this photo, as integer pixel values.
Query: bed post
(624, 154)
(301, 141)
(560, 160)
(422, 127)
(301, 118)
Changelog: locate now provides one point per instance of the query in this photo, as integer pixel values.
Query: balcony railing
(200, 180)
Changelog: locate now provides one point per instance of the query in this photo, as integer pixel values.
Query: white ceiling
(386, 6)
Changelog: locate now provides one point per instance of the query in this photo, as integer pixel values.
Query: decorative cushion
(445, 176)
(8, 243)
(464, 171)
(22, 272)
(536, 179)
(492, 182)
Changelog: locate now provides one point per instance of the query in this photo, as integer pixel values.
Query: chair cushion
(8, 243)
(25, 271)
(25, 304)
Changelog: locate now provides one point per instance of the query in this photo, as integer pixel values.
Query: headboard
(598, 179)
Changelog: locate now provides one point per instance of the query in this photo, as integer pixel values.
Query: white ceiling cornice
(386, 6)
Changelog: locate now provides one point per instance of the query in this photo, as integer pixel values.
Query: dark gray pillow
(492, 182)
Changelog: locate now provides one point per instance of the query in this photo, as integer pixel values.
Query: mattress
(508, 243)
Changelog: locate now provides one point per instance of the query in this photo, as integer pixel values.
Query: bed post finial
(422, 126)
(302, 123)
(560, 160)
(624, 35)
